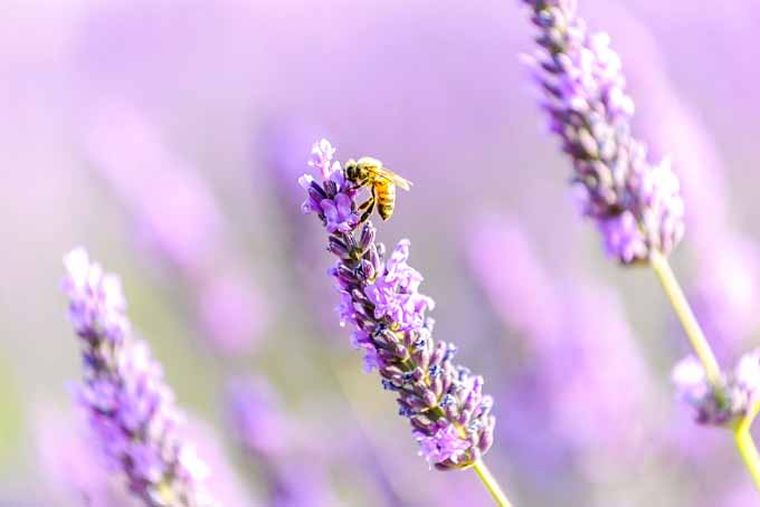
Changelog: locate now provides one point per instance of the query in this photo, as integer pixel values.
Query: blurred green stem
(689, 322)
(742, 436)
(746, 445)
(489, 481)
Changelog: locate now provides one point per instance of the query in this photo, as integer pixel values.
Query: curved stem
(489, 481)
(749, 454)
(746, 445)
(742, 436)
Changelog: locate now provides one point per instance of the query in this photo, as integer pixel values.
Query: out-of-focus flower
(175, 213)
(444, 402)
(228, 489)
(255, 417)
(727, 275)
(265, 435)
(507, 269)
(635, 202)
(71, 466)
(180, 221)
(582, 353)
(129, 406)
(741, 390)
(232, 312)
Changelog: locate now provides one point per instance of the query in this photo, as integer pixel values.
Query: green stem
(689, 322)
(746, 445)
(489, 481)
(742, 436)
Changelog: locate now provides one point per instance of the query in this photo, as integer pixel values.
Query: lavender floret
(450, 416)
(130, 408)
(736, 398)
(635, 202)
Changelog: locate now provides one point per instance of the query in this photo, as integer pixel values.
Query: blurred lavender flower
(516, 285)
(228, 489)
(445, 404)
(262, 430)
(180, 222)
(254, 415)
(741, 390)
(71, 466)
(636, 203)
(130, 407)
(727, 272)
(582, 355)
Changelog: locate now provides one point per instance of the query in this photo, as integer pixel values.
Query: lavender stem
(683, 310)
(742, 436)
(746, 445)
(491, 484)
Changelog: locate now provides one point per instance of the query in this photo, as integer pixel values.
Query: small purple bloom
(322, 159)
(130, 407)
(443, 445)
(449, 413)
(338, 213)
(723, 407)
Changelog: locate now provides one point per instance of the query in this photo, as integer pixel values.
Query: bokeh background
(167, 137)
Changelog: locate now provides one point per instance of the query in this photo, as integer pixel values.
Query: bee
(382, 182)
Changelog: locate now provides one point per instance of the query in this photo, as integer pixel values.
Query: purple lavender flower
(444, 402)
(635, 202)
(740, 392)
(129, 406)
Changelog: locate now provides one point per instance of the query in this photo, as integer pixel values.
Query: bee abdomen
(386, 200)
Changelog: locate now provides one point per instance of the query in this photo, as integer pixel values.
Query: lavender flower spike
(635, 202)
(450, 416)
(129, 406)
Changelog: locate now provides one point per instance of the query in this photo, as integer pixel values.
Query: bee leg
(366, 208)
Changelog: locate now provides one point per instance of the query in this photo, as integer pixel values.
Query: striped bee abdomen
(385, 195)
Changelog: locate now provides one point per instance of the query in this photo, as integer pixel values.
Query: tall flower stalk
(283, 143)
(130, 407)
(635, 202)
(444, 403)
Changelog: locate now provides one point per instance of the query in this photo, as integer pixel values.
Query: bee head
(353, 172)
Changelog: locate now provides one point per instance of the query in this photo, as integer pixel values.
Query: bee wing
(394, 178)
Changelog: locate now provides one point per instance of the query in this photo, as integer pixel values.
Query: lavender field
(210, 298)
